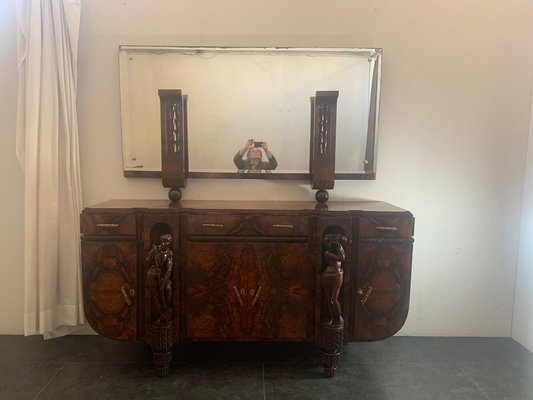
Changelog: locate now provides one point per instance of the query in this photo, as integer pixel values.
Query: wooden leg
(161, 344)
(331, 337)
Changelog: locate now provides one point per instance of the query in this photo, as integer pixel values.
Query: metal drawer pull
(287, 226)
(213, 225)
(107, 225)
(365, 295)
(238, 295)
(257, 295)
(387, 228)
(126, 298)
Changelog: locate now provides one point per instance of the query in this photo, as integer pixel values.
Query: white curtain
(47, 147)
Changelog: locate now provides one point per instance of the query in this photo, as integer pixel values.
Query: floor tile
(425, 381)
(245, 352)
(294, 382)
(89, 348)
(507, 380)
(447, 350)
(25, 381)
(134, 381)
(410, 368)
(486, 350)
(372, 382)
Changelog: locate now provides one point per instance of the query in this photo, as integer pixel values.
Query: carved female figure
(333, 276)
(161, 261)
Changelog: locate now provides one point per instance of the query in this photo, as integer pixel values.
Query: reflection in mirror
(255, 157)
(249, 109)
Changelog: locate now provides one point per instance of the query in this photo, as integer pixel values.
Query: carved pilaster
(161, 344)
(174, 154)
(323, 139)
(331, 338)
(160, 262)
(331, 321)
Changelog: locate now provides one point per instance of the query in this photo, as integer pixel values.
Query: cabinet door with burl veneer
(248, 277)
(249, 291)
(382, 272)
(109, 273)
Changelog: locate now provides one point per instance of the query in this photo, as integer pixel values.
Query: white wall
(456, 85)
(523, 308)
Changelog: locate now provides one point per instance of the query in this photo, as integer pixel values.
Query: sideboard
(166, 273)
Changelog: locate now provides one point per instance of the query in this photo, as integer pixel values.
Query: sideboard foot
(330, 346)
(161, 344)
(330, 362)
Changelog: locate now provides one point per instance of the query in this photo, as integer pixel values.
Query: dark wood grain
(381, 290)
(247, 225)
(249, 270)
(249, 291)
(110, 288)
(352, 207)
(174, 153)
(323, 139)
(235, 175)
(386, 226)
(108, 224)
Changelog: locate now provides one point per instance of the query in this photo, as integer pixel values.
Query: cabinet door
(109, 286)
(237, 290)
(381, 292)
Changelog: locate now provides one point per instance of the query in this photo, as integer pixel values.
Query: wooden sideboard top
(332, 206)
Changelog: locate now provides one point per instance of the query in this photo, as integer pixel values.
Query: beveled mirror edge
(367, 175)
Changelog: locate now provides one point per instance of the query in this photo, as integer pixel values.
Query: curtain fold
(47, 149)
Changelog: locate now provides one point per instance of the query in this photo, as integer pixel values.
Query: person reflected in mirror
(254, 158)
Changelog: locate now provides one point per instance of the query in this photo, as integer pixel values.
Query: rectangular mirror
(237, 94)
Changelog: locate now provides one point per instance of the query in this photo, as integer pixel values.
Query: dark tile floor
(91, 367)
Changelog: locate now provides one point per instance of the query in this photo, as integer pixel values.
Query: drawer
(386, 226)
(247, 225)
(108, 224)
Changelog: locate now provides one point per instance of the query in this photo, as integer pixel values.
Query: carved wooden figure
(159, 288)
(331, 322)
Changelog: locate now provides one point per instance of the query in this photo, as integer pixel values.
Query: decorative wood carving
(323, 135)
(331, 321)
(160, 263)
(174, 153)
(158, 278)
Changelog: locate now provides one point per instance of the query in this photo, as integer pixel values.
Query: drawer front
(108, 224)
(386, 226)
(248, 225)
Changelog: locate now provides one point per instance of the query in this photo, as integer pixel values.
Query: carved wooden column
(323, 139)
(160, 263)
(331, 321)
(174, 153)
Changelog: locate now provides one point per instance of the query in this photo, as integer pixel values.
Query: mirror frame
(181, 162)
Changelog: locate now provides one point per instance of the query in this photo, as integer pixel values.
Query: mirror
(237, 94)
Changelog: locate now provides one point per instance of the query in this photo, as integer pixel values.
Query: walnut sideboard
(166, 273)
